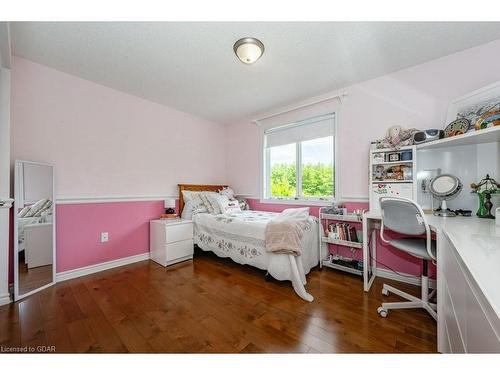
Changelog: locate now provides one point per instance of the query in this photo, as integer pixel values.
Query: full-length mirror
(34, 228)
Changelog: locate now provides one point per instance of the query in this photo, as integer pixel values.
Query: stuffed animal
(397, 173)
(397, 137)
(243, 203)
(379, 173)
(228, 192)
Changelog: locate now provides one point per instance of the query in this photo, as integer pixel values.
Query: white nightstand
(170, 241)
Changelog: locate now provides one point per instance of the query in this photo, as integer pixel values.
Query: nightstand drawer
(179, 251)
(175, 233)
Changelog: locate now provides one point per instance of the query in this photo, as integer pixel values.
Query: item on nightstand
(484, 189)
(427, 136)
(457, 127)
(169, 206)
(168, 216)
(444, 188)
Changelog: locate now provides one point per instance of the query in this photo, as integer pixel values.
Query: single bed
(241, 237)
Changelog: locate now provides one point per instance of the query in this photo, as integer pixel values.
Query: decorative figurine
(484, 189)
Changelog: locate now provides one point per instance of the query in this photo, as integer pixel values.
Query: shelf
(489, 135)
(350, 218)
(404, 148)
(392, 182)
(327, 263)
(357, 245)
(394, 162)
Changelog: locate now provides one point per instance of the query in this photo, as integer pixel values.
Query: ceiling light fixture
(248, 50)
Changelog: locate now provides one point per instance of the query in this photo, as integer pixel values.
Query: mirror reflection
(34, 259)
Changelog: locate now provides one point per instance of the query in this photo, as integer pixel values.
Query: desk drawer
(175, 233)
(455, 339)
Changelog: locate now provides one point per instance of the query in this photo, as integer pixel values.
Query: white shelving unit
(406, 188)
(324, 241)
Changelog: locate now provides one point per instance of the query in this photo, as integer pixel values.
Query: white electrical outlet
(104, 237)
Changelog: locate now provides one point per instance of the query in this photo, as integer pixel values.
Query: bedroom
(221, 187)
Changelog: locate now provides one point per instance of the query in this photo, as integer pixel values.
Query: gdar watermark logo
(28, 349)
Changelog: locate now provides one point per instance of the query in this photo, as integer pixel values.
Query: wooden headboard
(196, 188)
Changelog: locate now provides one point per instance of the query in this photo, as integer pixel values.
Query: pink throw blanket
(284, 237)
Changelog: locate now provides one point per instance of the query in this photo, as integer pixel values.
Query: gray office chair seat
(414, 246)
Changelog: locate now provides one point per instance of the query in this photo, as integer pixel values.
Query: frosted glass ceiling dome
(248, 50)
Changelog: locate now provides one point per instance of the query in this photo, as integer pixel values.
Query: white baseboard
(405, 278)
(79, 272)
(5, 299)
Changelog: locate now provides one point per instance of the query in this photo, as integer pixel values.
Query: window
(299, 160)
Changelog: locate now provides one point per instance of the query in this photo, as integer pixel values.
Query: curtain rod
(339, 96)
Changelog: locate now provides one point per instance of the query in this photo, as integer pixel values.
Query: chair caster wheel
(382, 312)
(385, 292)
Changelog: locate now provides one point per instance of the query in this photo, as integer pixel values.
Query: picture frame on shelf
(395, 156)
(474, 105)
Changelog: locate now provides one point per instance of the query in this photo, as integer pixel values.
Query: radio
(427, 136)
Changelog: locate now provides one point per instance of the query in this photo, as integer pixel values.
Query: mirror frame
(18, 296)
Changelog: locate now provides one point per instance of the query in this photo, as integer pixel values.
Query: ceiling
(192, 67)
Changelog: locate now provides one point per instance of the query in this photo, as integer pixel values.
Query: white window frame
(313, 201)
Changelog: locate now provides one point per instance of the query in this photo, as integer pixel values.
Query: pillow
(213, 198)
(193, 207)
(228, 192)
(229, 207)
(207, 203)
(35, 208)
(188, 195)
(196, 197)
(24, 211)
(222, 201)
(298, 214)
(46, 207)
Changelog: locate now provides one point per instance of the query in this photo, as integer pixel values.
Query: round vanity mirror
(445, 187)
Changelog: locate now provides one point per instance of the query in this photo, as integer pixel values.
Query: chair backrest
(403, 216)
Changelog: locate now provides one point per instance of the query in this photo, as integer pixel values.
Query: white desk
(468, 277)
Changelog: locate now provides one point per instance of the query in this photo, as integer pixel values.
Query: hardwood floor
(212, 305)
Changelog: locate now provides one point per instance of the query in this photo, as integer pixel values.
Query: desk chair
(404, 216)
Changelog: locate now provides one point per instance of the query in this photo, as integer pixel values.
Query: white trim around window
(264, 178)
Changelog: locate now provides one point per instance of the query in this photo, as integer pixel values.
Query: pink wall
(387, 256)
(414, 97)
(79, 227)
(104, 142)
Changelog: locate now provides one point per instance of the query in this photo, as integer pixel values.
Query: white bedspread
(241, 236)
